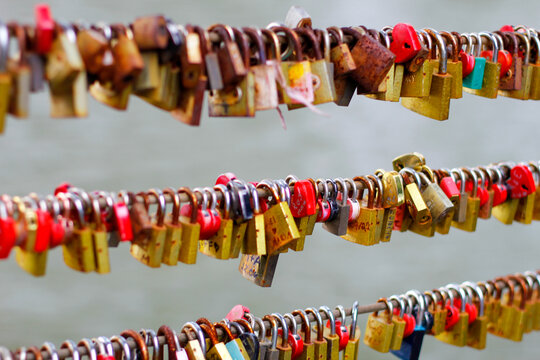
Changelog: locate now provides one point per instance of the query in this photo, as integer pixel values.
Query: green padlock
(476, 77)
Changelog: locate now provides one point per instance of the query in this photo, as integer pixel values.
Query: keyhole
(407, 46)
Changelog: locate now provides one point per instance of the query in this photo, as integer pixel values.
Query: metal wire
(365, 309)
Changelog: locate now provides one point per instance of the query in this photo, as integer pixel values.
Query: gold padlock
(416, 205)
(418, 83)
(436, 105)
(190, 231)
(31, 261)
(379, 329)
(149, 251)
(322, 69)
(457, 335)
(454, 65)
(279, 226)
(362, 230)
(100, 239)
(297, 79)
(20, 72)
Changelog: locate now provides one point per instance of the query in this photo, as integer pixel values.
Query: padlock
(331, 337)
(492, 69)
(512, 78)
(477, 332)
(534, 92)
(380, 225)
(173, 236)
(506, 211)
(341, 57)
(416, 205)
(279, 225)
(259, 269)
(100, 240)
(308, 348)
(412, 344)
(418, 83)
(438, 311)
(67, 77)
(219, 245)
(150, 32)
(510, 324)
(412, 160)
(190, 231)
(487, 183)
(128, 62)
(30, 260)
(149, 251)
(175, 352)
(234, 346)
(362, 230)
(20, 73)
(457, 334)
(526, 72)
(338, 226)
(379, 329)
(79, 250)
(150, 78)
(298, 81)
(231, 62)
(438, 203)
(5, 78)
(264, 73)
(94, 48)
(405, 43)
(475, 78)
(436, 105)
(238, 97)
(454, 66)
(322, 69)
(472, 205)
(372, 59)
(196, 345)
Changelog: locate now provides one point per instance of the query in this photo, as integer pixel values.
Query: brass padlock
(191, 57)
(416, 205)
(526, 72)
(67, 77)
(372, 59)
(379, 329)
(322, 69)
(460, 211)
(279, 225)
(264, 72)
(297, 80)
(457, 334)
(454, 66)
(31, 261)
(362, 229)
(437, 104)
(100, 239)
(417, 83)
(492, 70)
(259, 269)
(149, 250)
(436, 200)
(190, 230)
(173, 237)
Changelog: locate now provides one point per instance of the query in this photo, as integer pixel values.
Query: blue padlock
(475, 79)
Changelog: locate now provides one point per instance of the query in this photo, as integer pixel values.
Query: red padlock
(343, 333)
(303, 201)
(481, 191)
(225, 178)
(58, 230)
(44, 28)
(521, 182)
(43, 232)
(8, 234)
(470, 309)
(452, 316)
(122, 221)
(449, 187)
(410, 324)
(401, 212)
(405, 43)
(468, 61)
(205, 218)
(324, 210)
(507, 28)
(504, 58)
(62, 188)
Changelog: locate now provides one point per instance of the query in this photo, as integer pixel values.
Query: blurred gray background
(144, 147)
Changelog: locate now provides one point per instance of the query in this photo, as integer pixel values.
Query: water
(144, 148)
